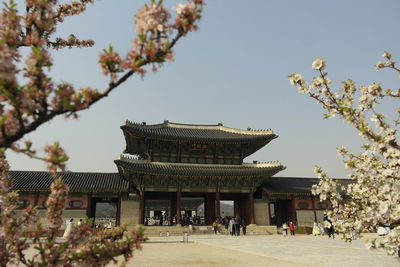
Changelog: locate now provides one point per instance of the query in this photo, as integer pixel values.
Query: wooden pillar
(141, 206)
(251, 207)
(313, 207)
(36, 199)
(217, 205)
(236, 207)
(118, 219)
(178, 205)
(294, 216)
(89, 207)
(209, 208)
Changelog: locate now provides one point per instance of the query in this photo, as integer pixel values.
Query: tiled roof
(293, 184)
(200, 133)
(39, 181)
(34, 181)
(185, 169)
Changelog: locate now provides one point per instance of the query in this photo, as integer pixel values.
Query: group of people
(328, 225)
(318, 228)
(69, 224)
(321, 229)
(191, 220)
(288, 226)
(232, 224)
(165, 220)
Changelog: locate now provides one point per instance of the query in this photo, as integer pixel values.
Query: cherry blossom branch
(25, 107)
(373, 198)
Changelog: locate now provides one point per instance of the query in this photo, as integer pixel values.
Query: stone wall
(130, 211)
(306, 217)
(261, 212)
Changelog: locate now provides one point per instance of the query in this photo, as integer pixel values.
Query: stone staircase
(255, 230)
(152, 231)
(262, 229)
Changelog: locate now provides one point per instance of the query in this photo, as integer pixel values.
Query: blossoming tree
(373, 198)
(36, 99)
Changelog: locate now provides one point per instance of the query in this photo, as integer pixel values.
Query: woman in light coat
(230, 226)
(321, 228)
(315, 230)
(68, 228)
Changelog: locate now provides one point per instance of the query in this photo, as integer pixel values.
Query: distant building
(174, 173)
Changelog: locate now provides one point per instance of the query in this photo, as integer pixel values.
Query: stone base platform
(151, 231)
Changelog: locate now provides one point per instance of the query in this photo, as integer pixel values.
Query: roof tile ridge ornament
(144, 125)
(220, 127)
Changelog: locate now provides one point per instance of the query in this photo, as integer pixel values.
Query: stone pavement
(257, 251)
(272, 250)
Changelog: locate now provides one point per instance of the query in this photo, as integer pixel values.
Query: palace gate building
(169, 172)
(179, 167)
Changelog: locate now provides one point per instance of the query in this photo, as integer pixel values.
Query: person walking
(315, 230)
(68, 228)
(331, 230)
(215, 226)
(237, 226)
(190, 226)
(244, 226)
(231, 227)
(284, 229)
(291, 228)
(321, 229)
(329, 227)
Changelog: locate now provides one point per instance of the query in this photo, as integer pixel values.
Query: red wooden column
(294, 216)
(178, 205)
(251, 207)
(141, 206)
(36, 199)
(217, 205)
(210, 208)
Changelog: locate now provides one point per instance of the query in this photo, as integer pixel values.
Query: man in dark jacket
(237, 226)
(244, 226)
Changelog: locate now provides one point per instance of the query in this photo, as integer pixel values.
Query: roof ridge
(218, 126)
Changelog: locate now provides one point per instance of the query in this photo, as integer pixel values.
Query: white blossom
(296, 79)
(373, 197)
(318, 64)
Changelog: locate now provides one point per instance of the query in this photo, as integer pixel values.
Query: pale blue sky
(233, 70)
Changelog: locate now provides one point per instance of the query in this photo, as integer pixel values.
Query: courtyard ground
(271, 250)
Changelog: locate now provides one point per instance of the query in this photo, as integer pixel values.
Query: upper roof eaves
(192, 169)
(171, 131)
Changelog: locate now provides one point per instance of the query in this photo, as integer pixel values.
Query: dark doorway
(105, 212)
(227, 208)
(280, 211)
(192, 210)
(157, 212)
